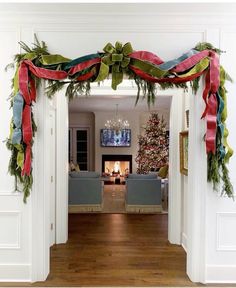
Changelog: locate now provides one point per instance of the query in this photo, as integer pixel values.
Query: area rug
(114, 199)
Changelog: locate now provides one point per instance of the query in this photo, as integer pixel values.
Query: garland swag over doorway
(145, 68)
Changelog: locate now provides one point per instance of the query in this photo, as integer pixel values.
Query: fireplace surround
(126, 159)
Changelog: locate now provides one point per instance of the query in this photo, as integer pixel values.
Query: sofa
(143, 193)
(85, 192)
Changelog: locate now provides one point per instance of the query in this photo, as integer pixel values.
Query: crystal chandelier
(117, 123)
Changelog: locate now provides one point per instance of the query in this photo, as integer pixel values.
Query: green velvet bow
(116, 58)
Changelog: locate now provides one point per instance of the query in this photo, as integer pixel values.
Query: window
(79, 146)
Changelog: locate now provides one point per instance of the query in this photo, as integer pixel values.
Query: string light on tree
(153, 146)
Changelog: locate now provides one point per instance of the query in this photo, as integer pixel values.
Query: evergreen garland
(217, 170)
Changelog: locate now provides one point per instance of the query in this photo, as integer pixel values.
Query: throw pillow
(163, 172)
(77, 169)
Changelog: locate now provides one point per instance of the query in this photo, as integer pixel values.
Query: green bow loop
(109, 48)
(127, 49)
(125, 62)
(118, 46)
(53, 59)
(107, 60)
(117, 76)
(30, 56)
(117, 57)
(103, 72)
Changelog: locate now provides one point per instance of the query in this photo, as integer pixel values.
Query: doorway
(174, 217)
(174, 221)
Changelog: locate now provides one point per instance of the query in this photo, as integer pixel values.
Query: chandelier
(117, 123)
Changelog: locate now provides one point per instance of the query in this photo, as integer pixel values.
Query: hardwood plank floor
(117, 250)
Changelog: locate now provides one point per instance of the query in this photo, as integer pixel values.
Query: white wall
(100, 119)
(221, 212)
(15, 223)
(168, 31)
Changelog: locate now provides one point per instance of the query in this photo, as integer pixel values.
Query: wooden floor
(117, 250)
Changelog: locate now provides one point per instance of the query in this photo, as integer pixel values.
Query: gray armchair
(143, 193)
(85, 192)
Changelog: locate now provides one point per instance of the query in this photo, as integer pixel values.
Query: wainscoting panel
(10, 224)
(226, 235)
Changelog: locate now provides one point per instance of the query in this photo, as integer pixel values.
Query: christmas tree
(153, 146)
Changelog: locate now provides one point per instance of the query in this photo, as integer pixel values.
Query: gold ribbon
(229, 150)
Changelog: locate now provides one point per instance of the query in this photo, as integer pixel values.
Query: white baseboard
(184, 241)
(15, 273)
(221, 274)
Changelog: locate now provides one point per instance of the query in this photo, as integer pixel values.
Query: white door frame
(40, 207)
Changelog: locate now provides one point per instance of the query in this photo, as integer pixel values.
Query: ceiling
(103, 98)
(108, 103)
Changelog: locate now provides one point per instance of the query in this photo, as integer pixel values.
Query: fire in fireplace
(116, 164)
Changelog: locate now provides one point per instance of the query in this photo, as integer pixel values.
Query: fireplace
(116, 164)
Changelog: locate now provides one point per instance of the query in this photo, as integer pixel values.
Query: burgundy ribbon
(27, 138)
(81, 66)
(32, 89)
(45, 73)
(206, 93)
(149, 78)
(190, 62)
(28, 90)
(146, 56)
(211, 115)
(28, 95)
(86, 76)
(211, 124)
(23, 82)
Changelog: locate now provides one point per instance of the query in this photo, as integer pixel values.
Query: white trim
(10, 193)
(15, 272)
(184, 242)
(197, 189)
(18, 219)
(62, 126)
(175, 194)
(221, 274)
(40, 233)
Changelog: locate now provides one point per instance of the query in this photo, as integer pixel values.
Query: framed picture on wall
(183, 145)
